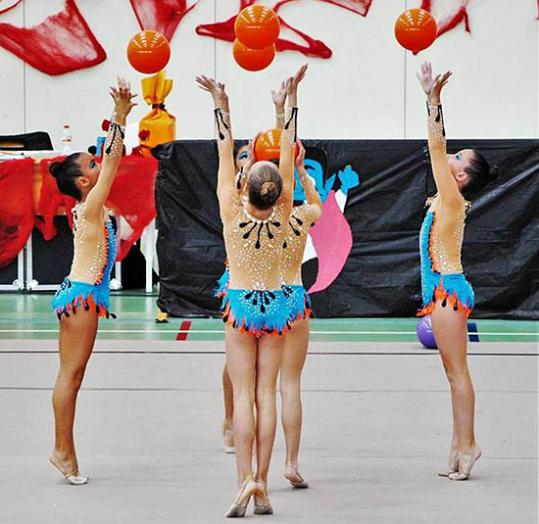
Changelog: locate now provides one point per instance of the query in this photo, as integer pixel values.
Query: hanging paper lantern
(148, 52)
(253, 59)
(415, 29)
(257, 27)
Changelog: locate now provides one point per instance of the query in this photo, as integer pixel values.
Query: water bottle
(66, 140)
(100, 144)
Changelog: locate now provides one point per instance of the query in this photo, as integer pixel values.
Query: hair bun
(55, 168)
(493, 172)
(267, 187)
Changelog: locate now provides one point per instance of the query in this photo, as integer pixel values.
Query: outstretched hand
(432, 86)
(216, 89)
(123, 98)
(279, 96)
(291, 83)
(300, 159)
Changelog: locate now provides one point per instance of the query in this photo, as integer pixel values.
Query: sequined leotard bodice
(254, 247)
(93, 239)
(446, 229)
(91, 242)
(298, 226)
(446, 234)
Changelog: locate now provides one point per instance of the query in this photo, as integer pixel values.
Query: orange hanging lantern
(415, 29)
(257, 27)
(148, 52)
(252, 59)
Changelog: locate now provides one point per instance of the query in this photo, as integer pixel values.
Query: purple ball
(425, 334)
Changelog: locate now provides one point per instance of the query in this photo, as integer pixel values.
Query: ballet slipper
(466, 463)
(73, 479)
(292, 475)
(264, 507)
(452, 463)
(239, 506)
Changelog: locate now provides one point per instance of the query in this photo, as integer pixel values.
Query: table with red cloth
(29, 197)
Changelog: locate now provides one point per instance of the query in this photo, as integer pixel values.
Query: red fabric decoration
(450, 20)
(316, 48)
(50, 201)
(161, 15)
(132, 197)
(16, 207)
(60, 44)
(360, 7)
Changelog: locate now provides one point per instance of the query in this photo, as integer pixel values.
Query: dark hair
(265, 185)
(480, 173)
(65, 173)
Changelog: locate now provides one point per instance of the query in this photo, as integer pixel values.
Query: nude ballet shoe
(468, 461)
(262, 509)
(74, 480)
(290, 473)
(239, 507)
(452, 463)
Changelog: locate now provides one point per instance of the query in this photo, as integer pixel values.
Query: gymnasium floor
(376, 424)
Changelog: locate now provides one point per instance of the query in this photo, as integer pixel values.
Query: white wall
(367, 89)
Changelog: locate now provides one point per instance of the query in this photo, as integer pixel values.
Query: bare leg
(270, 351)
(77, 336)
(294, 356)
(241, 353)
(229, 411)
(451, 333)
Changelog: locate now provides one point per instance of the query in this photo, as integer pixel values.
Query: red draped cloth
(131, 196)
(16, 207)
(449, 19)
(307, 45)
(161, 15)
(63, 42)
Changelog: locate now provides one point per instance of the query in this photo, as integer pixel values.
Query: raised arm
(113, 148)
(226, 189)
(289, 136)
(311, 194)
(279, 100)
(445, 182)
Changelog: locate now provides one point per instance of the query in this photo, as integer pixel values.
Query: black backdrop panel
(381, 275)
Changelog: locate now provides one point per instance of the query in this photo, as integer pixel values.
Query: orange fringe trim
(441, 294)
(308, 314)
(231, 321)
(101, 311)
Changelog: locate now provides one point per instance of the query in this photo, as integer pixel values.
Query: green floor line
(24, 316)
